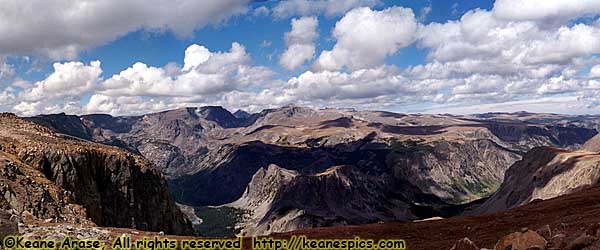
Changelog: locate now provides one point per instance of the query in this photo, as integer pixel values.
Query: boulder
(581, 242)
(521, 241)
(558, 241)
(545, 231)
(464, 244)
(8, 225)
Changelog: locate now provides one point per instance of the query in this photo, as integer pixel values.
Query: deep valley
(295, 167)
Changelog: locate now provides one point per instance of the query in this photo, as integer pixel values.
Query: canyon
(293, 167)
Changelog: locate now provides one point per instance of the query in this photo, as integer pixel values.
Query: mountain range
(295, 167)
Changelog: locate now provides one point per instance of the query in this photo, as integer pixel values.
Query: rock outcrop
(464, 244)
(592, 144)
(62, 179)
(527, 240)
(8, 224)
(544, 173)
(281, 200)
(210, 156)
(455, 171)
(562, 237)
(29, 195)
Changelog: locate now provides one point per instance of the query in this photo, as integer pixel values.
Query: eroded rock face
(119, 191)
(210, 156)
(430, 173)
(592, 144)
(115, 187)
(173, 140)
(456, 172)
(544, 173)
(228, 170)
(281, 200)
(31, 196)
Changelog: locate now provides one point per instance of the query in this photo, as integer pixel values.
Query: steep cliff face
(28, 193)
(224, 173)
(452, 172)
(525, 136)
(210, 156)
(544, 173)
(115, 187)
(172, 140)
(573, 121)
(456, 172)
(283, 200)
(68, 124)
(592, 144)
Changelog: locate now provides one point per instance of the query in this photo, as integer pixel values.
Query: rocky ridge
(210, 156)
(285, 200)
(592, 145)
(544, 173)
(49, 177)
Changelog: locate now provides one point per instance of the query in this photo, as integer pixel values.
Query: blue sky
(438, 56)
(158, 49)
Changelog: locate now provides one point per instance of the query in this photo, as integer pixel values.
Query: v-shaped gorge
(295, 167)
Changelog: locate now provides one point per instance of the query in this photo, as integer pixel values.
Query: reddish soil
(568, 214)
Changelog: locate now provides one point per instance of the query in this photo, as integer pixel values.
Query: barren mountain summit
(428, 162)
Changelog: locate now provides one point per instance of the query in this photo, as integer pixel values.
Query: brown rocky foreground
(562, 221)
(349, 167)
(567, 222)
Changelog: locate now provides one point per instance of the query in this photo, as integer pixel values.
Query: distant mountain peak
(219, 115)
(241, 114)
(292, 110)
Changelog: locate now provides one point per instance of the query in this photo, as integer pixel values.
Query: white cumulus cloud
(207, 78)
(481, 43)
(487, 59)
(194, 56)
(204, 73)
(595, 72)
(300, 42)
(545, 10)
(65, 27)
(6, 70)
(289, 8)
(365, 37)
(68, 79)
